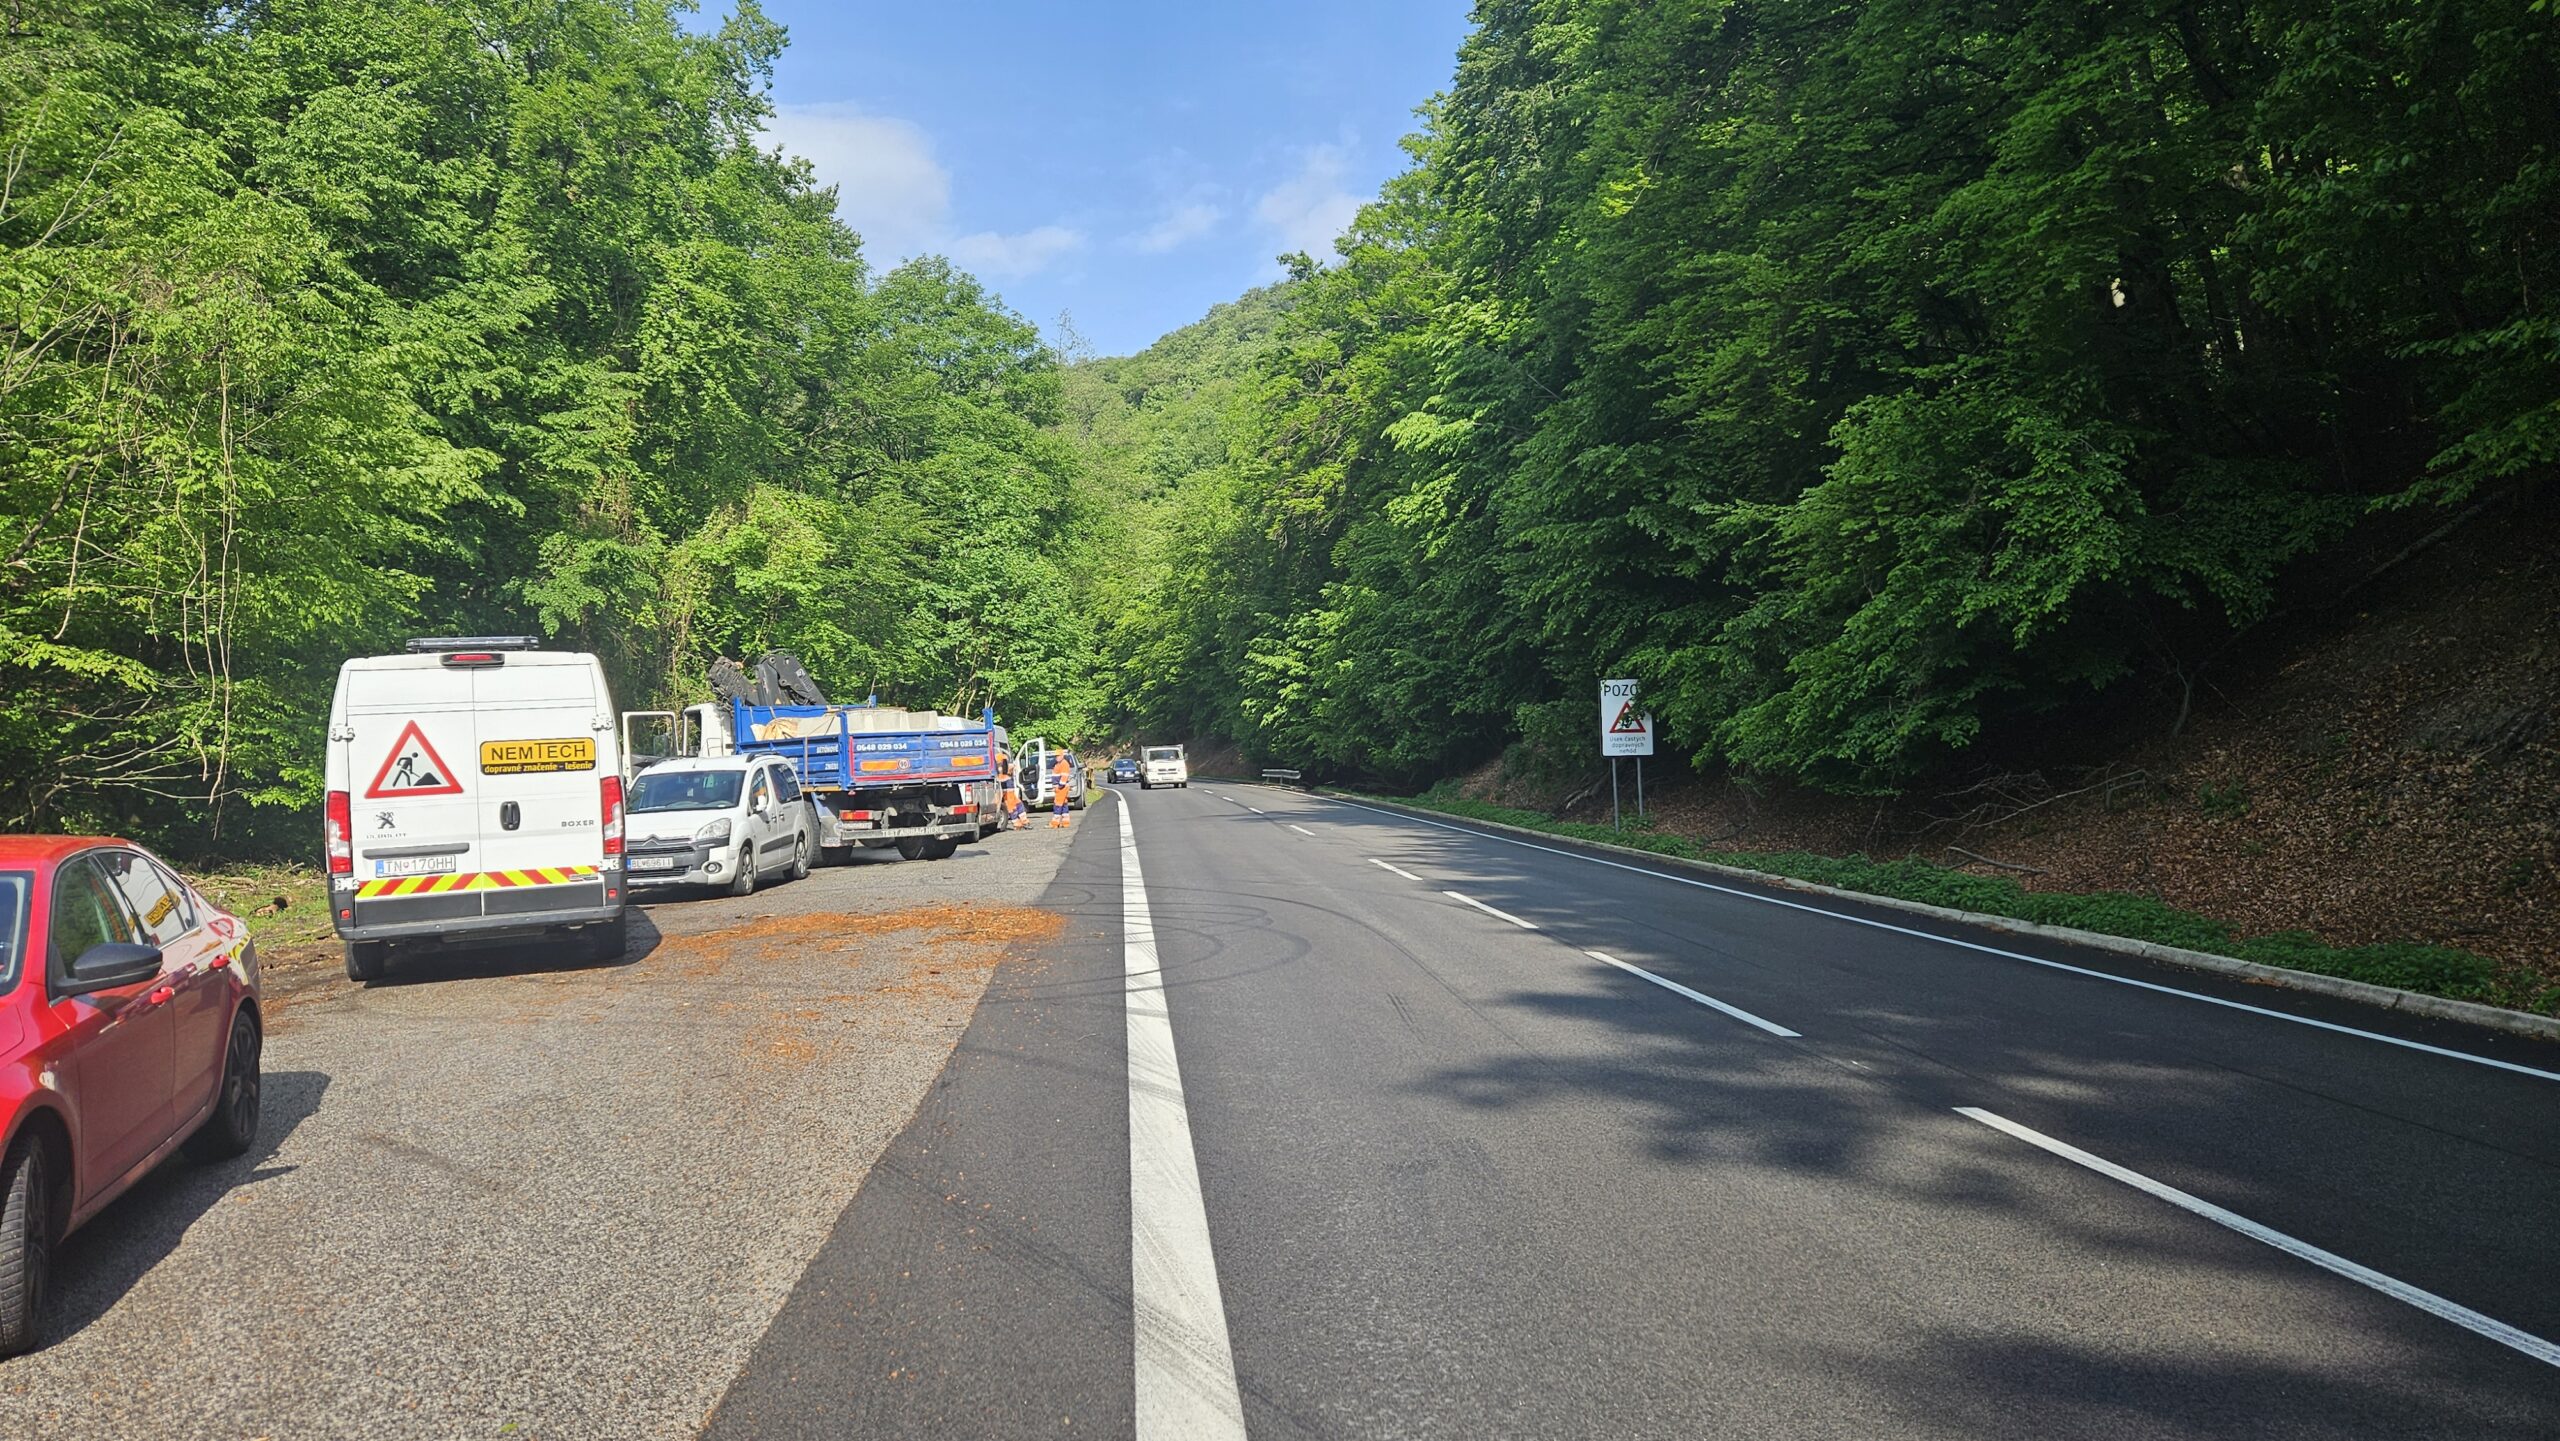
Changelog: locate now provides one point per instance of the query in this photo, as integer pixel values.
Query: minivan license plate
(415, 866)
(653, 863)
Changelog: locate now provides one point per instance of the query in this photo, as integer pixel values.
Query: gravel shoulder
(495, 1196)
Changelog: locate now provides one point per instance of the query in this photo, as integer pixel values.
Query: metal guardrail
(1284, 777)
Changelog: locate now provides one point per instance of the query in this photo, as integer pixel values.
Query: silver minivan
(729, 821)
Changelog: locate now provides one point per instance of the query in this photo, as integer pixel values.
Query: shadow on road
(109, 1256)
(428, 966)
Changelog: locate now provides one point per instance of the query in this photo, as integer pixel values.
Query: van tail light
(342, 834)
(612, 815)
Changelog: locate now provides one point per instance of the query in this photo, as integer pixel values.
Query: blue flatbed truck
(873, 775)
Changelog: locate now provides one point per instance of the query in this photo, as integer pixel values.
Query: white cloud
(1011, 257)
(1306, 211)
(1177, 227)
(889, 186)
(897, 196)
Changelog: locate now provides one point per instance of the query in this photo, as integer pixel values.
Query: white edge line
(1490, 911)
(2427, 1301)
(1739, 1014)
(1399, 870)
(1302, 830)
(2450, 1054)
(1185, 1370)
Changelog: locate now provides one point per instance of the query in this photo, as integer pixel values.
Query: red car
(128, 1027)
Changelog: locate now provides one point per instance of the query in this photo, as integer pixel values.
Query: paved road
(507, 1196)
(1765, 1171)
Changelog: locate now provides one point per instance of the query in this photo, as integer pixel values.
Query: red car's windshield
(15, 887)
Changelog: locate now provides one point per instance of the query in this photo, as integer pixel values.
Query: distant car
(1124, 771)
(718, 821)
(128, 1028)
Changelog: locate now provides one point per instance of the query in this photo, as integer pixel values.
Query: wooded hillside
(1891, 386)
(334, 321)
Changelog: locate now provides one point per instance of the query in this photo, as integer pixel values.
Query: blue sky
(1129, 164)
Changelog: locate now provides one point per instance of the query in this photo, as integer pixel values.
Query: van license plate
(416, 866)
(653, 863)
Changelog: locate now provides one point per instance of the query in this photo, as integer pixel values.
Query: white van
(474, 792)
(719, 821)
(1163, 766)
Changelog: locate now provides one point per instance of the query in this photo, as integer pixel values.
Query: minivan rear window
(685, 790)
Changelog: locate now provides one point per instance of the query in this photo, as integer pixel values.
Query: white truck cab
(474, 792)
(719, 821)
(1163, 766)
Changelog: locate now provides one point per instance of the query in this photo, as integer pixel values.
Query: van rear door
(413, 806)
(543, 726)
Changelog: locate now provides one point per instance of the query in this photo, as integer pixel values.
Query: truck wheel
(911, 848)
(26, 1244)
(800, 857)
(941, 848)
(365, 959)
(608, 941)
(745, 882)
(233, 1126)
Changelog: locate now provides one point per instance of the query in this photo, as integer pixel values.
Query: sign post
(1624, 731)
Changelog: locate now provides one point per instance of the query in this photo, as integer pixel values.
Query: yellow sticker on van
(524, 758)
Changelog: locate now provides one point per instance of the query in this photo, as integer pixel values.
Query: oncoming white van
(474, 792)
(1163, 766)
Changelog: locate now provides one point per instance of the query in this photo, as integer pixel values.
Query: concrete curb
(2390, 998)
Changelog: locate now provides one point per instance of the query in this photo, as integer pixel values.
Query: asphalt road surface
(1277, 1116)
(1338, 1123)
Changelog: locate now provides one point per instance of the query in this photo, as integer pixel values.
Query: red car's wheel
(233, 1126)
(26, 1244)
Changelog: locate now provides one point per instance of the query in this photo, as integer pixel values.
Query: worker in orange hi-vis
(1060, 773)
(1010, 794)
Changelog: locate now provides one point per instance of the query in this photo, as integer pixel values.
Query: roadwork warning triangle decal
(1628, 722)
(412, 769)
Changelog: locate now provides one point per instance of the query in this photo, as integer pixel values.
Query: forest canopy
(334, 321)
(1879, 382)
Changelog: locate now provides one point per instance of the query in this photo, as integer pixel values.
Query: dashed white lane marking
(1186, 1369)
(2333, 1026)
(1399, 870)
(1257, 810)
(1490, 911)
(1302, 830)
(2427, 1301)
(1739, 1014)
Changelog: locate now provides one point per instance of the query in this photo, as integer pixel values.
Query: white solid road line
(1972, 946)
(1739, 1014)
(1302, 830)
(2427, 1301)
(1399, 870)
(1490, 911)
(1186, 1369)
